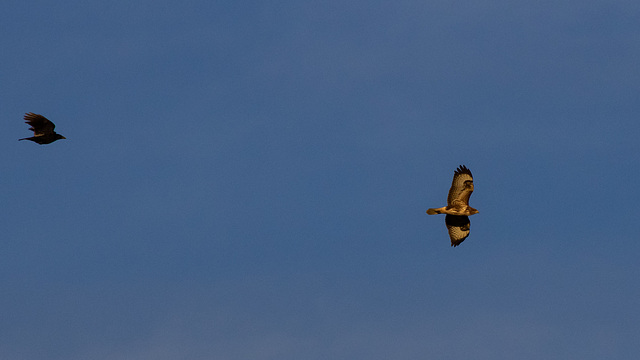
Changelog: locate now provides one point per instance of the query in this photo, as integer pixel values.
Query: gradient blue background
(249, 179)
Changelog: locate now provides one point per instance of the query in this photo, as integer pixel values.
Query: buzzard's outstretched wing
(459, 228)
(461, 187)
(40, 125)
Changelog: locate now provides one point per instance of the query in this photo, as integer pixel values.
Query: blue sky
(249, 180)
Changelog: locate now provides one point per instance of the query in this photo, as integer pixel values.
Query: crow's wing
(40, 125)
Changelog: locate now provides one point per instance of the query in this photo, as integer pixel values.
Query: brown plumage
(458, 227)
(42, 129)
(458, 209)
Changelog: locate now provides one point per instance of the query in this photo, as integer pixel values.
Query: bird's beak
(62, 137)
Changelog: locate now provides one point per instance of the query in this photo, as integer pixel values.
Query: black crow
(42, 129)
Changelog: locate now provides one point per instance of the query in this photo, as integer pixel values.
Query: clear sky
(249, 179)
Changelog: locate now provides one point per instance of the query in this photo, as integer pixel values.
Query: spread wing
(459, 228)
(40, 125)
(461, 187)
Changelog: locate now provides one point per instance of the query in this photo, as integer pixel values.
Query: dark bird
(42, 129)
(458, 209)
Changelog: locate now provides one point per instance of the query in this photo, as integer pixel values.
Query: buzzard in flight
(42, 129)
(458, 209)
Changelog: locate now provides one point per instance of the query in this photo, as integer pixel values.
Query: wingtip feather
(463, 170)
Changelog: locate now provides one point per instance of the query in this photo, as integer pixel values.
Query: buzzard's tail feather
(433, 212)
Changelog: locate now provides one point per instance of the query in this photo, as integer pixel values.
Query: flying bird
(458, 210)
(42, 129)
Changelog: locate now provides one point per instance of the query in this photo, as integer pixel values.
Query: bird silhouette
(42, 129)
